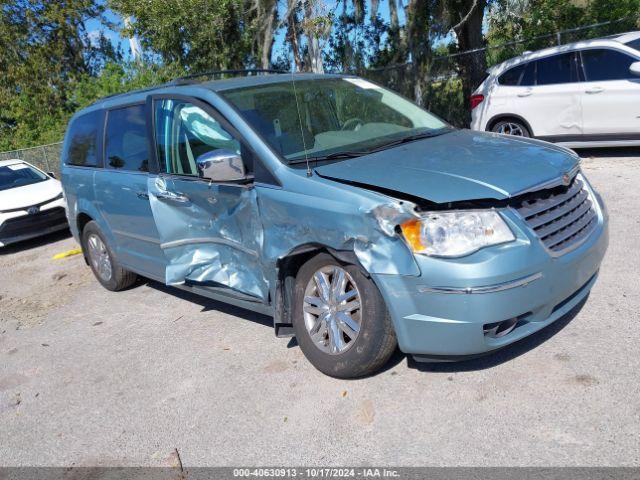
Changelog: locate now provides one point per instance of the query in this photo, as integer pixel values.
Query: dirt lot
(90, 377)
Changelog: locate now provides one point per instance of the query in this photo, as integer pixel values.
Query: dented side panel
(212, 235)
(292, 219)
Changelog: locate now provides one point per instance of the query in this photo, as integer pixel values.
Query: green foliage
(536, 21)
(198, 35)
(44, 48)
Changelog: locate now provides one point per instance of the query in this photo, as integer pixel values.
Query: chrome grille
(562, 217)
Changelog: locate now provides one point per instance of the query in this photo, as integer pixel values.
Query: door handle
(595, 90)
(172, 197)
(143, 195)
(526, 93)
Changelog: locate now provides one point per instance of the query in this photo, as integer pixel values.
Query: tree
(45, 47)
(198, 35)
(467, 17)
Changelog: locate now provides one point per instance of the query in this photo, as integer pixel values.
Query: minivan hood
(458, 166)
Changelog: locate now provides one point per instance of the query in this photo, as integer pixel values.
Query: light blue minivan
(359, 221)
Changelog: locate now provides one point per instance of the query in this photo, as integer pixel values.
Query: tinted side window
(512, 76)
(557, 69)
(83, 140)
(185, 131)
(126, 139)
(634, 44)
(601, 64)
(529, 75)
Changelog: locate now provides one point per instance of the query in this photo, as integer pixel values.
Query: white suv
(584, 94)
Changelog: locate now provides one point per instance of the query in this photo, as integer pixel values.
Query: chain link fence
(45, 157)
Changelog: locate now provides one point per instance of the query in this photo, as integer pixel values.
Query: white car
(31, 202)
(584, 94)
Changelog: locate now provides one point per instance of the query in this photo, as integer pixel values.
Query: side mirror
(51, 174)
(634, 68)
(221, 165)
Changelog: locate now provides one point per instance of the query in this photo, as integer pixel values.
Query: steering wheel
(352, 124)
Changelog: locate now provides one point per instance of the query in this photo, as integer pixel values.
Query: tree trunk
(469, 34)
(292, 33)
(313, 42)
(374, 9)
(266, 46)
(394, 30)
(419, 44)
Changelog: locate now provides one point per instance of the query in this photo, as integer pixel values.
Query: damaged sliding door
(210, 232)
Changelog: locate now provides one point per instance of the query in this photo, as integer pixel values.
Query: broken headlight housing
(455, 233)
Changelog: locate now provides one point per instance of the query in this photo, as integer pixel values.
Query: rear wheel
(511, 127)
(102, 262)
(340, 319)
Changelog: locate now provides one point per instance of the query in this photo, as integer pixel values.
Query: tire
(511, 126)
(96, 250)
(351, 355)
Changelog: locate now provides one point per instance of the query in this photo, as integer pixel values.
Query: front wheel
(340, 319)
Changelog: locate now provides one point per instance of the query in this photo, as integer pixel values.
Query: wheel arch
(508, 116)
(287, 267)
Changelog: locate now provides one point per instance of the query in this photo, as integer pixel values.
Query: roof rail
(210, 73)
(188, 79)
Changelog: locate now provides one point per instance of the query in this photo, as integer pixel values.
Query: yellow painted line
(68, 253)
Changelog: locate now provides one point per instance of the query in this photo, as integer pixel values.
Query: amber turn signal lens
(411, 232)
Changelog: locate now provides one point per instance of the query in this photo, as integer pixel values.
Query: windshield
(19, 175)
(331, 116)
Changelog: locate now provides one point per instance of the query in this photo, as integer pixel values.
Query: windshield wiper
(410, 138)
(354, 154)
(330, 156)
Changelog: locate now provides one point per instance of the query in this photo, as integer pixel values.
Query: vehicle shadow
(505, 354)
(210, 304)
(35, 242)
(623, 152)
(481, 363)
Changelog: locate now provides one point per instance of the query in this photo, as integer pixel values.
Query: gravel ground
(89, 377)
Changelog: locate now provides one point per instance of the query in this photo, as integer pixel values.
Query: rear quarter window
(82, 140)
(557, 69)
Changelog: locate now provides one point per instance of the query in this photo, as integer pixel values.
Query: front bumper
(19, 225)
(505, 282)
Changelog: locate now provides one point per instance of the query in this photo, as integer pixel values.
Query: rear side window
(82, 137)
(634, 44)
(602, 64)
(126, 139)
(511, 77)
(529, 75)
(557, 69)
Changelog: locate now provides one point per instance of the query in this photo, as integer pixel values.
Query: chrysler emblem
(566, 179)
(33, 210)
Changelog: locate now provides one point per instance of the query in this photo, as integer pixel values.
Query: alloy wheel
(99, 257)
(509, 128)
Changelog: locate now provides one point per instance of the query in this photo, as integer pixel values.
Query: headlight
(454, 234)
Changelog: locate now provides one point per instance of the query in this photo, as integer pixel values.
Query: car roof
(612, 41)
(214, 85)
(625, 37)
